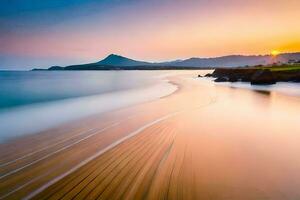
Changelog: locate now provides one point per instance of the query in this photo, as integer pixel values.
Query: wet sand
(202, 142)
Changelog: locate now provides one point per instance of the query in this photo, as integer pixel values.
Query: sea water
(32, 101)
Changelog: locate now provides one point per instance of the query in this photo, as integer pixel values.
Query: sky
(42, 33)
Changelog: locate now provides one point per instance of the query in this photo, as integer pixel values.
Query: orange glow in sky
(275, 53)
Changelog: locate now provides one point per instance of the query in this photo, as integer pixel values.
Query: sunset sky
(41, 33)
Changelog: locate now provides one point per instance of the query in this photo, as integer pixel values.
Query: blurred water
(38, 100)
(19, 88)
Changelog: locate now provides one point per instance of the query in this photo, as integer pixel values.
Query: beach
(203, 141)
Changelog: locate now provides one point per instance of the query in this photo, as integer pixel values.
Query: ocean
(32, 101)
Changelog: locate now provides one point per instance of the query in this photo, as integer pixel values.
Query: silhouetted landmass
(258, 75)
(238, 60)
(101, 67)
(109, 67)
(117, 62)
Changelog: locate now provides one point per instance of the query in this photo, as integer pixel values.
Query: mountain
(225, 61)
(238, 60)
(289, 56)
(117, 62)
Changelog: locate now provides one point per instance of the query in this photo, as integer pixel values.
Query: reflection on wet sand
(202, 142)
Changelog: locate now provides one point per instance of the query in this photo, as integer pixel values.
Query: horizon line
(154, 62)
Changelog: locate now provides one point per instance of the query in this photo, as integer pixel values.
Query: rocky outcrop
(256, 76)
(263, 77)
(208, 75)
(221, 79)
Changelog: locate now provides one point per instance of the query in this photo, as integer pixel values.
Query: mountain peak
(114, 55)
(118, 60)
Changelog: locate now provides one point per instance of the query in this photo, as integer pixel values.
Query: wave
(42, 116)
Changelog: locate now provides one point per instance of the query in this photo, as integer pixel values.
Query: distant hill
(226, 61)
(117, 62)
(237, 60)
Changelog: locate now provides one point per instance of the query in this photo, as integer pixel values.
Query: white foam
(39, 117)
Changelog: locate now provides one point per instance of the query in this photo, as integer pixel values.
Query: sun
(275, 52)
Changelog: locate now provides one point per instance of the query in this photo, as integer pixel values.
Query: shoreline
(73, 109)
(193, 133)
(279, 87)
(283, 88)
